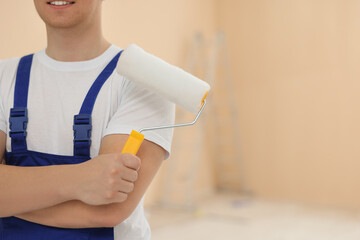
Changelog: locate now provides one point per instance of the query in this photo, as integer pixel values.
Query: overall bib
(12, 228)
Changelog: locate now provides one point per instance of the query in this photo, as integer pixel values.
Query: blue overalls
(12, 228)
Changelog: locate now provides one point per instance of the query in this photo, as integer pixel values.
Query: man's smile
(60, 3)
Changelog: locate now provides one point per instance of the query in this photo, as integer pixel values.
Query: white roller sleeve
(166, 80)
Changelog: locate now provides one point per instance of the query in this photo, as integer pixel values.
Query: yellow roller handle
(133, 143)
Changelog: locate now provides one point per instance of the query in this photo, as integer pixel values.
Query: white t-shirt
(56, 93)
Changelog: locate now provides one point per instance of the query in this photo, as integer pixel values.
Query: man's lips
(60, 3)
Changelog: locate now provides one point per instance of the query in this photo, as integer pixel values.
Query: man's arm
(75, 214)
(98, 181)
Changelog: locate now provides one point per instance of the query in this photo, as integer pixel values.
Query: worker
(65, 115)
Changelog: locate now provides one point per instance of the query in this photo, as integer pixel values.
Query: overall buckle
(18, 121)
(82, 128)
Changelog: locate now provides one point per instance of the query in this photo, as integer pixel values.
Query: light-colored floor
(230, 217)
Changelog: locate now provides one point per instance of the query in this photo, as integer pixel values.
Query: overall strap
(18, 114)
(82, 122)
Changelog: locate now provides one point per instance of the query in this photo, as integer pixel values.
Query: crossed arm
(76, 214)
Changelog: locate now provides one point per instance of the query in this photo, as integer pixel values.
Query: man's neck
(80, 44)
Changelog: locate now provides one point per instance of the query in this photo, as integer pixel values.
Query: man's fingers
(119, 197)
(131, 161)
(129, 175)
(126, 187)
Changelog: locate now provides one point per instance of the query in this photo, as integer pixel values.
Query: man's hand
(107, 178)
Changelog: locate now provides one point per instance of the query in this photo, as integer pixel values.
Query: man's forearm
(71, 214)
(25, 189)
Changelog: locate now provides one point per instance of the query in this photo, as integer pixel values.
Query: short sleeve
(140, 108)
(3, 125)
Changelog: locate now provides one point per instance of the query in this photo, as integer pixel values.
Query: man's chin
(61, 23)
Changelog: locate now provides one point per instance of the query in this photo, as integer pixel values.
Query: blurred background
(276, 153)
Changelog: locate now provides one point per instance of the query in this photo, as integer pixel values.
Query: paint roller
(164, 79)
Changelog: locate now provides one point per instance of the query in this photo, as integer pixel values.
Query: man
(72, 188)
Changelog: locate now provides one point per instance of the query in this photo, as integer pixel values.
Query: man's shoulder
(8, 65)
(8, 68)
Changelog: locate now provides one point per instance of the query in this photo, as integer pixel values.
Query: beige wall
(295, 68)
(22, 31)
